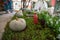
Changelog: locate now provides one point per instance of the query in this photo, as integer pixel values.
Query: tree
(24, 3)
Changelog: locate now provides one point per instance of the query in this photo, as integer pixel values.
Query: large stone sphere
(18, 25)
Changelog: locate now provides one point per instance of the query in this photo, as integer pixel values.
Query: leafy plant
(32, 32)
(52, 22)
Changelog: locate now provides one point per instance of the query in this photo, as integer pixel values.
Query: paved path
(3, 21)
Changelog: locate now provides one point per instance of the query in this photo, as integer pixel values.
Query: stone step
(3, 12)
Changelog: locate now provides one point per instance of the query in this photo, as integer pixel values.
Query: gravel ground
(3, 21)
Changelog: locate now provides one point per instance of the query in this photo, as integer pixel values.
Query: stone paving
(3, 21)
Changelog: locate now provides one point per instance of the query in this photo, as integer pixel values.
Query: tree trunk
(24, 4)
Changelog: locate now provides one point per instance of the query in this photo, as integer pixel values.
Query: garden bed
(32, 32)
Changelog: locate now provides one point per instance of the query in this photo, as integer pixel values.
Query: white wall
(35, 0)
(16, 4)
(16, 0)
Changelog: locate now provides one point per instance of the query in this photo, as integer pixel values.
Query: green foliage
(32, 32)
(52, 22)
(57, 25)
(45, 16)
